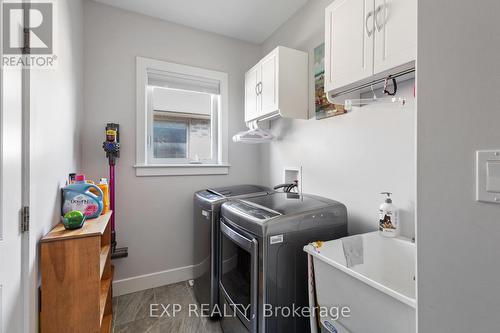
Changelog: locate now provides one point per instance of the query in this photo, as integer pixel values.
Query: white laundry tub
(380, 292)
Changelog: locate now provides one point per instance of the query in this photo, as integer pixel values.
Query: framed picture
(324, 109)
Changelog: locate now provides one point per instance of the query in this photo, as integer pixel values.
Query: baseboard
(153, 280)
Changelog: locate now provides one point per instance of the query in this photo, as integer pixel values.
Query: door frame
(29, 258)
(30, 314)
(27, 315)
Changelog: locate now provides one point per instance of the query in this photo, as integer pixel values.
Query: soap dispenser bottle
(388, 217)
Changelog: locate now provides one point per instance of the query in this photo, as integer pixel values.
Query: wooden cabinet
(277, 86)
(76, 271)
(368, 39)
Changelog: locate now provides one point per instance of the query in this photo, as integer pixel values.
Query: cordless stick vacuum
(112, 148)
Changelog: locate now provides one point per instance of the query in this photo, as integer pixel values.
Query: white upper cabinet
(366, 40)
(251, 92)
(348, 42)
(396, 33)
(269, 78)
(277, 86)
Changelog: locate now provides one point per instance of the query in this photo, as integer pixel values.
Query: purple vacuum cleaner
(112, 148)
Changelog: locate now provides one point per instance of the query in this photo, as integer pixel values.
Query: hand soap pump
(388, 218)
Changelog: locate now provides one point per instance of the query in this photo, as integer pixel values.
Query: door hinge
(25, 219)
(26, 41)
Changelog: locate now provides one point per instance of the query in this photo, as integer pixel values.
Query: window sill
(151, 170)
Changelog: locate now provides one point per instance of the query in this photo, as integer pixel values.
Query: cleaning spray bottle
(388, 218)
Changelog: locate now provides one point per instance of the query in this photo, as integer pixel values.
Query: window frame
(144, 165)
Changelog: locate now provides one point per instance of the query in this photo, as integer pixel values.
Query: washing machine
(263, 267)
(207, 205)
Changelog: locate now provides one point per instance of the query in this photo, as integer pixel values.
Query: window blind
(180, 101)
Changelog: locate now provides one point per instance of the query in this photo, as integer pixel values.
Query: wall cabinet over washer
(277, 86)
(366, 40)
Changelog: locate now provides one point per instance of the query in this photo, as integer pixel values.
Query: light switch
(488, 176)
(493, 176)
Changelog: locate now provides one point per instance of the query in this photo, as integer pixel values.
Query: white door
(251, 94)
(349, 29)
(396, 33)
(11, 197)
(269, 84)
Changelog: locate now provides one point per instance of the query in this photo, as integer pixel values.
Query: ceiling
(248, 20)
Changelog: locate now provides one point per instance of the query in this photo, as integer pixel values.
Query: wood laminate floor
(132, 312)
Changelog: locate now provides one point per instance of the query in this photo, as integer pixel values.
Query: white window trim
(142, 166)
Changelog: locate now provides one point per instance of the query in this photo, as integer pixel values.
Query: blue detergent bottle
(78, 197)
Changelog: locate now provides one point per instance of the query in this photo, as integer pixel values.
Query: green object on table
(73, 220)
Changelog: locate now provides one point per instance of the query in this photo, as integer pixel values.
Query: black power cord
(287, 187)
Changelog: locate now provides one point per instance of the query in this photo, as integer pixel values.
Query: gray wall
(458, 238)
(56, 106)
(350, 158)
(154, 214)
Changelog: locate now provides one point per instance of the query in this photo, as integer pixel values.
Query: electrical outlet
(292, 174)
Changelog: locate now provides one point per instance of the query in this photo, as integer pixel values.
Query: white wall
(350, 158)
(56, 103)
(154, 214)
(458, 113)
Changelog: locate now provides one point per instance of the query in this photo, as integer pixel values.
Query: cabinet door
(251, 96)
(348, 42)
(269, 84)
(396, 33)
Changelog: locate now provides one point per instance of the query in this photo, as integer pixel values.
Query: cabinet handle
(368, 31)
(258, 88)
(377, 12)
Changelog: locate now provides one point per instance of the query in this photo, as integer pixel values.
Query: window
(182, 126)
(181, 119)
(170, 137)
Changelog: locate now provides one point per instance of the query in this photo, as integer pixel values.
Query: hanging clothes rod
(375, 82)
(349, 103)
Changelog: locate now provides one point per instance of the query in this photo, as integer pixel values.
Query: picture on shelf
(324, 109)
